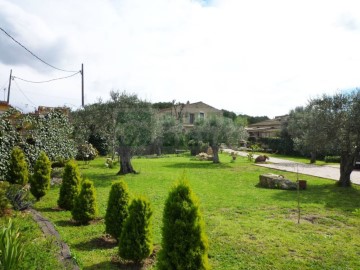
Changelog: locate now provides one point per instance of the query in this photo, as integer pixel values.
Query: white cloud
(255, 57)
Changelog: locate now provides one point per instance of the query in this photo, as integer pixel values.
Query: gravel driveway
(324, 171)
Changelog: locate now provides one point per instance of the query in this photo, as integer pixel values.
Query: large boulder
(275, 181)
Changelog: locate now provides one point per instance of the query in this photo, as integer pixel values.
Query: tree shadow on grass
(208, 165)
(330, 195)
(102, 242)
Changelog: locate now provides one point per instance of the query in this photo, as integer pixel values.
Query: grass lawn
(248, 227)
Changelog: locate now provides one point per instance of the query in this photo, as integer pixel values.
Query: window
(192, 118)
(201, 115)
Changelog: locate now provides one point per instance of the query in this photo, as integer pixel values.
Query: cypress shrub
(135, 241)
(184, 243)
(85, 207)
(117, 209)
(70, 186)
(18, 168)
(40, 180)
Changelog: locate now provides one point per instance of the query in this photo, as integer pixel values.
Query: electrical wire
(61, 78)
(46, 63)
(24, 93)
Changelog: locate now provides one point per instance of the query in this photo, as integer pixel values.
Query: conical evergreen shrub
(18, 172)
(117, 209)
(70, 186)
(40, 180)
(85, 207)
(184, 243)
(135, 241)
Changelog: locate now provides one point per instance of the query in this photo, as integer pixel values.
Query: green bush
(11, 249)
(40, 180)
(86, 152)
(85, 207)
(184, 243)
(70, 186)
(332, 159)
(117, 209)
(4, 202)
(18, 168)
(135, 241)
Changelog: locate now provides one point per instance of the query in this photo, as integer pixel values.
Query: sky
(255, 57)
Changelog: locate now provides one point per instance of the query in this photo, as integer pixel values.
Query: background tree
(216, 130)
(127, 123)
(306, 133)
(332, 122)
(18, 172)
(117, 209)
(171, 135)
(40, 180)
(136, 237)
(85, 206)
(70, 186)
(184, 243)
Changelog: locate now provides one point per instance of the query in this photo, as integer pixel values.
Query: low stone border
(49, 230)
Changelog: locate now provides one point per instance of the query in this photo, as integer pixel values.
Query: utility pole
(8, 97)
(82, 85)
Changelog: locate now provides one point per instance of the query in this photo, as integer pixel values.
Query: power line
(33, 53)
(61, 78)
(24, 94)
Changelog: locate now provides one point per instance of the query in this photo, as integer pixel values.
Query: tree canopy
(331, 124)
(126, 122)
(216, 130)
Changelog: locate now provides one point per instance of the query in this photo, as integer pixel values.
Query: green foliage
(282, 145)
(18, 168)
(70, 186)
(85, 207)
(4, 202)
(59, 162)
(216, 130)
(40, 180)
(11, 248)
(8, 139)
(332, 159)
(184, 243)
(136, 241)
(86, 152)
(100, 143)
(117, 208)
(50, 133)
(162, 105)
(19, 197)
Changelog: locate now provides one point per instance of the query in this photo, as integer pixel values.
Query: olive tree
(332, 123)
(216, 130)
(127, 122)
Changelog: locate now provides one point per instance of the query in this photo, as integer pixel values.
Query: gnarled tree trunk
(313, 157)
(125, 161)
(215, 149)
(346, 168)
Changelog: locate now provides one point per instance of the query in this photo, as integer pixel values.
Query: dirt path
(49, 230)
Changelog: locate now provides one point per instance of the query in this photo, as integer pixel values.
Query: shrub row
(332, 159)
